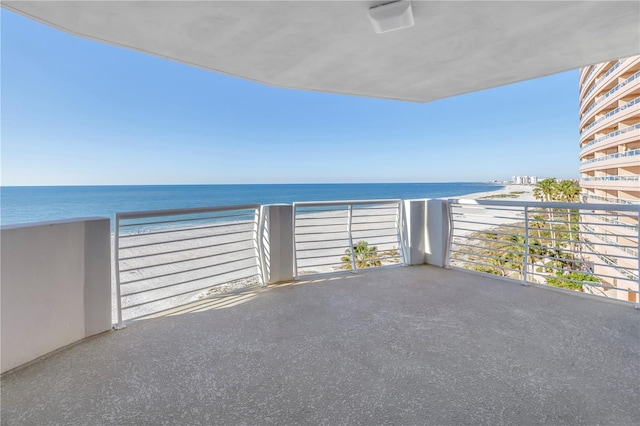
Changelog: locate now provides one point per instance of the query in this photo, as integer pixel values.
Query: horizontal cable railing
(168, 258)
(630, 153)
(612, 135)
(612, 113)
(555, 244)
(346, 235)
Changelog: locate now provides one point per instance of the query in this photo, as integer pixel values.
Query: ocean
(23, 204)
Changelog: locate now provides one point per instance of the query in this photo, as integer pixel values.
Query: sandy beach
(527, 193)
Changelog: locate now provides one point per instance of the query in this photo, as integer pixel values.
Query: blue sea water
(22, 204)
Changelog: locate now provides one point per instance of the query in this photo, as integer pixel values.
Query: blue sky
(77, 112)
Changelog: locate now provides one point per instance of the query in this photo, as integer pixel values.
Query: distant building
(610, 166)
(524, 180)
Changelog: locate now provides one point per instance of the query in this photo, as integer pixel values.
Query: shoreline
(527, 193)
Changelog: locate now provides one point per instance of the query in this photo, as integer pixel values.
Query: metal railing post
(637, 305)
(116, 267)
(295, 251)
(401, 226)
(352, 248)
(525, 258)
(449, 242)
(257, 240)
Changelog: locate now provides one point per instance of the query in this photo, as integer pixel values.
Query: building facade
(610, 170)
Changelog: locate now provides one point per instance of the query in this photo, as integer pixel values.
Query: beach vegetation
(512, 194)
(365, 256)
(571, 280)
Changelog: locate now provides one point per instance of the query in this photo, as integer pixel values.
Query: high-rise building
(610, 169)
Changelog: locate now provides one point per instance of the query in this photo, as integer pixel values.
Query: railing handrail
(610, 92)
(629, 153)
(612, 135)
(177, 212)
(617, 201)
(552, 205)
(611, 113)
(343, 202)
(612, 69)
(605, 178)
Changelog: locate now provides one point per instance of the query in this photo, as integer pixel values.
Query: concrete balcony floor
(415, 345)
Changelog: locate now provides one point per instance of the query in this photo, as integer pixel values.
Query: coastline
(527, 193)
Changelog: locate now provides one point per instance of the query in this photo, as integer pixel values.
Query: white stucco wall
(437, 232)
(278, 243)
(55, 286)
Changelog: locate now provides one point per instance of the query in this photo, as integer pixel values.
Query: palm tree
(546, 191)
(515, 244)
(568, 191)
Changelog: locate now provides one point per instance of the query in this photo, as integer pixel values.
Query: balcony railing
(612, 113)
(617, 222)
(630, 153)
(594, 68)
(612, 243)
(610, 92)
(614, 200)
(171, 257)
(611, 178)
(330, 236)
(595, 83)
(544, 243)
(166, 259)
(612, 135)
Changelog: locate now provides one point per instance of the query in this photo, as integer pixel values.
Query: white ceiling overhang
(454, 47)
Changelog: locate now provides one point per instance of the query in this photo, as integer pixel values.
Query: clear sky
(77, 112)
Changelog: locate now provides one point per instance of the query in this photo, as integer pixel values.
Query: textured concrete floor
(416, 345)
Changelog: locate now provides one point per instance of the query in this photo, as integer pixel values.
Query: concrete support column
(278, 243)
(437, 235)
(415, 231)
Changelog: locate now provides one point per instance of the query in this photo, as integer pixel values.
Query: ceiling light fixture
(391, 16)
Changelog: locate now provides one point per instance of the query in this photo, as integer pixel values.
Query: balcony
(625, 135)
(399, 345)
(611, 182)
(619, 159)
(621, 113)
(601, 81)
(621, 90)
(392, 344)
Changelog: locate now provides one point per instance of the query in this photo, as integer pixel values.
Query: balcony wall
(628, 161)
(56, 286)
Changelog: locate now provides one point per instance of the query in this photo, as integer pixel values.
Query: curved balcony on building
(603, 83)
(628, 158)
(608, 99)
(626, 111)
(619, 137)
(611, 182)
(590, 76)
